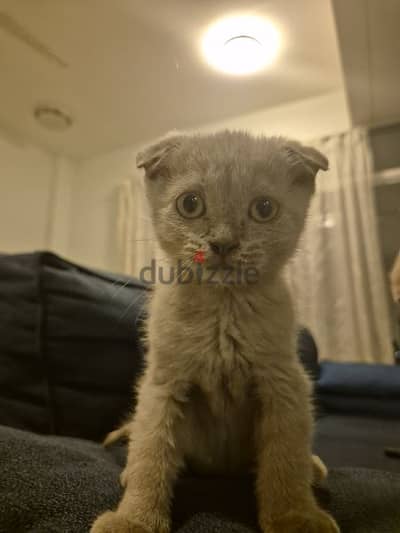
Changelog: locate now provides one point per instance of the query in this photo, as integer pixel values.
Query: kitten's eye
(263, 209)
(190, 205)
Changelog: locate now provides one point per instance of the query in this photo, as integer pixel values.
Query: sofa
(70, 352)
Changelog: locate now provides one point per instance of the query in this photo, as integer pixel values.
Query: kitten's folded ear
(154, 158)
(307, 161)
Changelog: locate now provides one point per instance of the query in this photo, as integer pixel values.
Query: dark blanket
(60, 484)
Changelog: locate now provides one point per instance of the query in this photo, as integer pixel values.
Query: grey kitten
(223, 390)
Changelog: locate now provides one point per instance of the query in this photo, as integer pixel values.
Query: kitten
(223, 390)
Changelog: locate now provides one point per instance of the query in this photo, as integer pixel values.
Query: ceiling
(129, 70)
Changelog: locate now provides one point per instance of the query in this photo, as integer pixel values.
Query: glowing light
(241, 45)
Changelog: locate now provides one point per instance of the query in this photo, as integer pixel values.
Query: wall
(65, 173)
(33, 216)
(93, 213)
(25, 180)
(385, 142)
(94, 208)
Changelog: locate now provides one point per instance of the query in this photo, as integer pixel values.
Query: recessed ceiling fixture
(241, 45)
(52, 118)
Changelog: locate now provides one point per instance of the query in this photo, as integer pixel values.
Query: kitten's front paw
(320, 472)
(314, 521)
(123, 478)
(112, 522)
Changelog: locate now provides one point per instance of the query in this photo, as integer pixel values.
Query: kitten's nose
(223, 247)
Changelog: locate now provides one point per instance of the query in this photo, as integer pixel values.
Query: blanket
(52, 484)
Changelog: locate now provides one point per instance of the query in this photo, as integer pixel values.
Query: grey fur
(223, 390)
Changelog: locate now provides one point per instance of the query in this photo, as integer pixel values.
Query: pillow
(360, 379)
(357, 388)
(69, 345)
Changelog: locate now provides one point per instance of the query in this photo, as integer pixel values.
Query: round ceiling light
(241, 45)
(52, 118)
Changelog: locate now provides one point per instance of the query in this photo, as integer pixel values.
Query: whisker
(185, 265)
(118, 289)
(141, 295)
(116, 281)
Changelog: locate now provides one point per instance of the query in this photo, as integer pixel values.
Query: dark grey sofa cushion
(69, 345)
(24, 393)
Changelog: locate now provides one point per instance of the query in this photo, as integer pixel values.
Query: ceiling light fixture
(52, 118)
(241, 45)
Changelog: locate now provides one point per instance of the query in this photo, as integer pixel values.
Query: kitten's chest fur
(221, 401)
(223, 361)
(217, 343)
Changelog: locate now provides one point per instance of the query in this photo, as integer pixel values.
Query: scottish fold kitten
(223, 390)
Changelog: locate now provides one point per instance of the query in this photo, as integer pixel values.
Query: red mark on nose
(199, 257)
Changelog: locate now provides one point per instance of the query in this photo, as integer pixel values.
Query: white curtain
(136, 241)
(337, 276)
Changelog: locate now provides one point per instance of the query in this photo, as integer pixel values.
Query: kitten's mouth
(220, 263)
(221, 269)
(202, 269)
